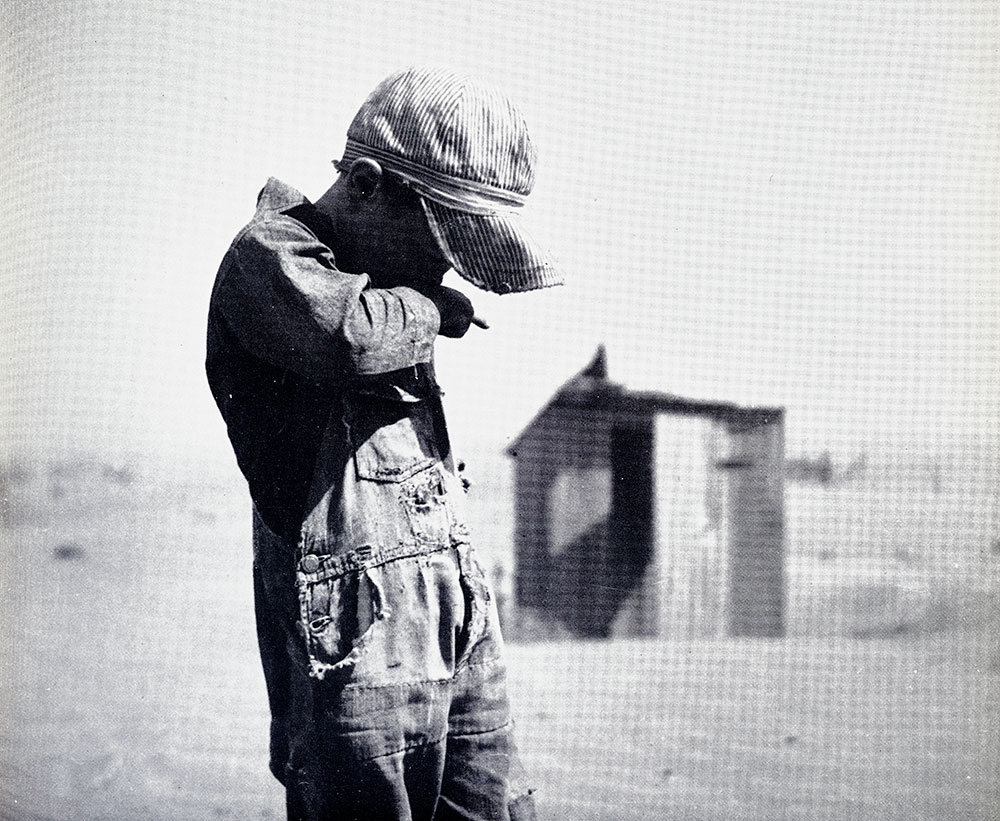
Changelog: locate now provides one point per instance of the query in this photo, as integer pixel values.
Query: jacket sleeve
(281, 294)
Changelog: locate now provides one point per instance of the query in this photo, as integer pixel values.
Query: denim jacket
(327, 388)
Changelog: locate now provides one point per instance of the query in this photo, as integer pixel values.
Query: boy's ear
(364, 178)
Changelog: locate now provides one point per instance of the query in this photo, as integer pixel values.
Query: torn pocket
(338, 614)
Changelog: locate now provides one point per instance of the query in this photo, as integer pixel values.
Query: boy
(378, 636)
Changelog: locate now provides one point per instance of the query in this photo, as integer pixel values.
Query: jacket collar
(279, 196)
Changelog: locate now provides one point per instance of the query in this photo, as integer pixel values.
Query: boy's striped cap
(464, 148)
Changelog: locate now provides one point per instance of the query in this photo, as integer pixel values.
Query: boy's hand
(455, 308)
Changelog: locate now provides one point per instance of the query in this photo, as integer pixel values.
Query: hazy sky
(779, 203)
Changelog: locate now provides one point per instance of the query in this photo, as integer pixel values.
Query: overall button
(310, 563)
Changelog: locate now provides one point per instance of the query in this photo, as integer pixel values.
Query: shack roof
(591, 389)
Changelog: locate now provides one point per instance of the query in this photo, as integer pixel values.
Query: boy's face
(396, 243)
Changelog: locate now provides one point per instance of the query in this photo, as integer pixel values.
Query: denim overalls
(378, 635)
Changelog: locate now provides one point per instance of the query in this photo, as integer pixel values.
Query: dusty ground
(130, 687)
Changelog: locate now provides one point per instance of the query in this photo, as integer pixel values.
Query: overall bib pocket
(391, 440)
(395, 445)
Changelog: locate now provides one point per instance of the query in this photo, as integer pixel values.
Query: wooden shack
(646, 514)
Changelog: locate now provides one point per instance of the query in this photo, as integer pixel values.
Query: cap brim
(492, 251)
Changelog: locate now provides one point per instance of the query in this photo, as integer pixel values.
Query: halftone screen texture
(750, 569)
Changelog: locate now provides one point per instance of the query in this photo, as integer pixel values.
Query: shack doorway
(630, 525)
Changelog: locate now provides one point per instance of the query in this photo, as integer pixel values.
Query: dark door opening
(630, 525)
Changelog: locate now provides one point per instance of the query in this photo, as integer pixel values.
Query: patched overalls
(378, 635)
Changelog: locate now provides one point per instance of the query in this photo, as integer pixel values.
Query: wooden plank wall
(755, 524)
(690, 556)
